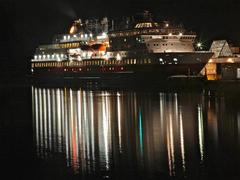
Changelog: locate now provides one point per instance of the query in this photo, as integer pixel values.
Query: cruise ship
(138, 49)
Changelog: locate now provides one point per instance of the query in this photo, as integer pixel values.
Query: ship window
(147, 44)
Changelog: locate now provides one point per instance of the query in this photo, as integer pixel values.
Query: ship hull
(138, 67)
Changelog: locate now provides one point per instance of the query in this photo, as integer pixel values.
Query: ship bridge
(146, 25)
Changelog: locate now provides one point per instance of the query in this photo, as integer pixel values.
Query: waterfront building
(225, 63)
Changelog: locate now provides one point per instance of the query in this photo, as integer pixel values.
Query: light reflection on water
(115, 132)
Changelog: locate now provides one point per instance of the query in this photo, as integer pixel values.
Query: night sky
(30, 23)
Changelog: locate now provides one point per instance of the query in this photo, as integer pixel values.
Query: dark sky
(35, 22)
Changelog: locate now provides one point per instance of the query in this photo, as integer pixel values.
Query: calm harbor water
(77, 133)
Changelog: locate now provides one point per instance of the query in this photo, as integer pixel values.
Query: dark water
(75, 133)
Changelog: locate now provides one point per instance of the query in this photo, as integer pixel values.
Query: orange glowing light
(73, 29)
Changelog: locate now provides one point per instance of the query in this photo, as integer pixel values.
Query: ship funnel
(75, 25)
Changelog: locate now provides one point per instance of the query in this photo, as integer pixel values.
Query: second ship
(138, 50)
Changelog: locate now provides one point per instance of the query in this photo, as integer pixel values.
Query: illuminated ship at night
(139, 49)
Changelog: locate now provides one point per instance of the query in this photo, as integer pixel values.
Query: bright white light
(79, 58)
(81, 35)
(167, 25)
(170, 34)
(35, 57)
(104, 34)
(118, 57)
(86, 35)
(48, 56)
(64, 37)
(230, 60)
(160, 59)
(199, 45)
(68, 36)
(39, 56)
(89, 54)
(175, 59)
(44, 56)
(91, 35)
(180, 34)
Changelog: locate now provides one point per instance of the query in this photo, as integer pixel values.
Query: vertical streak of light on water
(33, 109)
(59, 124)
(53, 120)
(105, 129)
(66, 128)
(49, 120)
(45, 121)
(200, 133)
(182, 142)
(73, 134)
(37, 120)
(170, 142)
(40, 120)
(62, 119)
(107, 123)
(168, 150)
(162, 128)
(76, 129)
(161, 105)
(70, 129)
(119, 122)
(140, 133)
(92, 129)
(79, 117)
(86, 129)
(176, 109)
